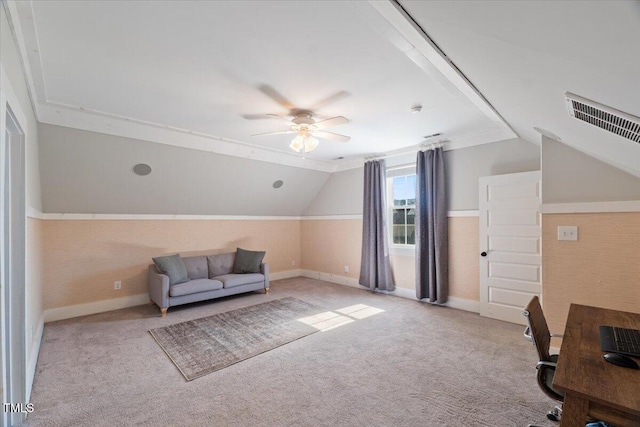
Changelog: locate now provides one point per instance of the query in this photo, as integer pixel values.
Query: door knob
(483, 254)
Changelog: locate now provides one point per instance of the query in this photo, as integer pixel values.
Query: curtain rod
(421, 147)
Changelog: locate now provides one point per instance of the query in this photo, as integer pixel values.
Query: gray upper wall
(89, 172)
(464, 167)
(570, 176)
(342, 193)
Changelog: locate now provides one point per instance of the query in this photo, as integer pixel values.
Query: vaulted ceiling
(204, 74)
(524, 55)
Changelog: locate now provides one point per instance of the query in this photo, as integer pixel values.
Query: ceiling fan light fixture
(310, 143)
(297, 143)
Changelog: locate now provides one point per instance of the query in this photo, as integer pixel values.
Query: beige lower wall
(404, 271)
(85, 257)
(464, 260)
(34, 280)
(601, 269)
(329, 245)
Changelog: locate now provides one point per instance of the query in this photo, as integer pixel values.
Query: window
(403, 207)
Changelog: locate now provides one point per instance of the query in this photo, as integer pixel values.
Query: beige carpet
(201, 346)
(380, 361)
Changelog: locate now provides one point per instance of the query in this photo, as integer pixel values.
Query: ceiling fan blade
(256, 116)
(276, 96)
(330, 99)
(275, 116)
(331, 135)
(274, 133)
(333, 121)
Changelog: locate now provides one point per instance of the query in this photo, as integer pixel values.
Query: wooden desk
(593, 386)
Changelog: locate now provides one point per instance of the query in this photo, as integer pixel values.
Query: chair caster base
(555, 414)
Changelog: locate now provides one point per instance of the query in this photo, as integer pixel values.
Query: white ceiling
(196, 74)
(524, 55)
(199, 74)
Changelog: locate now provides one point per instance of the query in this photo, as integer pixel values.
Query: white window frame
(397, 248)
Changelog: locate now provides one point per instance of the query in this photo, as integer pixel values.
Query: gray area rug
(201, 346)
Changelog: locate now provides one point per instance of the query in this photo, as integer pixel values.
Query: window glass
(411, 190)
(411, 228)
(399, 190)
(403, 216)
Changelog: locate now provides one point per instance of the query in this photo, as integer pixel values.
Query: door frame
(13, 251)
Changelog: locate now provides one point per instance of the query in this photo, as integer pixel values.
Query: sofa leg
(164, 311)
(266, 291)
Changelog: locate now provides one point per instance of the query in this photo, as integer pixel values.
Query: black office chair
(537, 332)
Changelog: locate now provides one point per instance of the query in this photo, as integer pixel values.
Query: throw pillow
(247, 261)
(172, 266)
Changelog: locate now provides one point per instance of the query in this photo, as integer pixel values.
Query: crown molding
(127, 127)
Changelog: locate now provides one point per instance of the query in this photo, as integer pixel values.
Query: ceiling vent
(433, 135)
(607, 118)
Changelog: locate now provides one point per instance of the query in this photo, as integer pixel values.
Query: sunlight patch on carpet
(333, 319)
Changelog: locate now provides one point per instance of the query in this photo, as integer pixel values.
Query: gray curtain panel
(375, 267)
(432, 244)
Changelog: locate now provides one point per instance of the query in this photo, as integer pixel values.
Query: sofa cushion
(195, 286)
(196, 267)
(233, 280)
(220, 264)
(172, 266)
(247, 261)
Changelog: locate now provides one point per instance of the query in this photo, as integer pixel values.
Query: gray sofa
(209, 277)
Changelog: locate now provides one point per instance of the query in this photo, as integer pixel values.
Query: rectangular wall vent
(607, 118)
(433, 135)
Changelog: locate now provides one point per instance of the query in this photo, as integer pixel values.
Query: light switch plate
(568, 232)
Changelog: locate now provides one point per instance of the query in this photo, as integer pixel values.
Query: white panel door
(510, 244)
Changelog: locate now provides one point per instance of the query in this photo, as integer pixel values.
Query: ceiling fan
(307, 128)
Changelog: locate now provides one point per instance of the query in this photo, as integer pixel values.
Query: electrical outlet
(117, 285)
(346, 268)
(568, 232)
(293, 262)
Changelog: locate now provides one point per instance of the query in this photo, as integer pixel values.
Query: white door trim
(9, 104)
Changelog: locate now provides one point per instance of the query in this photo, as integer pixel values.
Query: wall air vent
(607, 118)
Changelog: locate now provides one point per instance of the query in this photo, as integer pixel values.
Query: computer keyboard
(626, 340)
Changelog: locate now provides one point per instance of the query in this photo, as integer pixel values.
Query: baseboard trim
(68, 312)
(463, 304)
(288, 274)
(33, 357)
(96, 307)
(60, 313)
(332, 278)
(453, 302)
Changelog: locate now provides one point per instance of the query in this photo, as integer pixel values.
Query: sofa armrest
(264, 269)
(158, 287)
